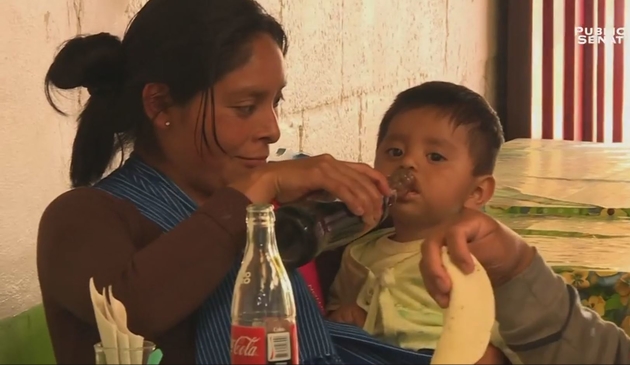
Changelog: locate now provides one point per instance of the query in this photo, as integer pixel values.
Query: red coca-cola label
(255, 346)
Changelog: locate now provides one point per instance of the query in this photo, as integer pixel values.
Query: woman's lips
(253, 161)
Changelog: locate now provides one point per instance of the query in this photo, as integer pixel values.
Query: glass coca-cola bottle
(321, 222)
(263, 308)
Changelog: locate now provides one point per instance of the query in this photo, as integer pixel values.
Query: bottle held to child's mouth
(320, 222)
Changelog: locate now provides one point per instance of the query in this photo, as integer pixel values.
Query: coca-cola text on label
(248, 345)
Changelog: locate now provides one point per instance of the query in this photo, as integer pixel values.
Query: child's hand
(349, 314)
(502, 252)
(493, 356)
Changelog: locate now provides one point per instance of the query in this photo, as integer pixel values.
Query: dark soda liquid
(320, 222)
(304, 229)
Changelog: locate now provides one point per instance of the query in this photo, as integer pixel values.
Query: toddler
(449, 137)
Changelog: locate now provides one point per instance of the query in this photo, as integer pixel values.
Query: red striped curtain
(578, 89)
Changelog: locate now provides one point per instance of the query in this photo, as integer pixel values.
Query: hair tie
(100, 91)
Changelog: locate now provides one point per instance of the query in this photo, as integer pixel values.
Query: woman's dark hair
(188, 45)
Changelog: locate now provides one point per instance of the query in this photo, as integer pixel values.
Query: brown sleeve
(84, 234)
(542, 320)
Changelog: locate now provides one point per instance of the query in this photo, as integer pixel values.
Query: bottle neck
(400, 181)
(261, 235)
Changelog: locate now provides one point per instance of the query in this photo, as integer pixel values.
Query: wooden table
(572, 201)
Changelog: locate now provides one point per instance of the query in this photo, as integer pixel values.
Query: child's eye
(435, 157)
(394, 152)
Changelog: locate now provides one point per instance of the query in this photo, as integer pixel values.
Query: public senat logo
(599, 35)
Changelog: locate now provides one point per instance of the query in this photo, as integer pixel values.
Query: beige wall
(347, 60)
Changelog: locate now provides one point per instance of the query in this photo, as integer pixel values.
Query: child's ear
(481, 193)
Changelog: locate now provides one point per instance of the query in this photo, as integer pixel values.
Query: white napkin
(111, 319)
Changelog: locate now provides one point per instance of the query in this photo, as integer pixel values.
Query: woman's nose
(270, 130)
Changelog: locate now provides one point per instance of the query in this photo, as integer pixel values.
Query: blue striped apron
(321, 341)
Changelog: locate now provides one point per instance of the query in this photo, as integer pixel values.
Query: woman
(193, 88)
(540, 317)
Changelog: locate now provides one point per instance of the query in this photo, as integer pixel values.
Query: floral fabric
(605, 292)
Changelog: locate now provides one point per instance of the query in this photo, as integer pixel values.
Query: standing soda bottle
(263, 308)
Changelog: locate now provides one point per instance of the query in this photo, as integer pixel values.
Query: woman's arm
(542, 320)
(85, 233)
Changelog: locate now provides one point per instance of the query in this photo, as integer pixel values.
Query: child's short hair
(465, 107)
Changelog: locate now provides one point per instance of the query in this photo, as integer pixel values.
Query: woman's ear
(156, 100)
(481, 193)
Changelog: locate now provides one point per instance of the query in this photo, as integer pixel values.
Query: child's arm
(349, 314)
(340, 291)
(341, 305)
(328, 263)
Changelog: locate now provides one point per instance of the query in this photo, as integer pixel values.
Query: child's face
(425, 141)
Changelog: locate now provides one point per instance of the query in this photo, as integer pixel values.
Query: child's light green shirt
(383, 277)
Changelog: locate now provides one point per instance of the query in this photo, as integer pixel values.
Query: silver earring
(167, 123)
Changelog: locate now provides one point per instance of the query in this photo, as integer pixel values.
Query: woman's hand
(358, 185)
(501, 252)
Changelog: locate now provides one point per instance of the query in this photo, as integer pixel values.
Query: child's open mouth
(411, 194)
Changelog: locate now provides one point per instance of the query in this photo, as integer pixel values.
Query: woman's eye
(394, 152)
(435, 157)
(245, 109)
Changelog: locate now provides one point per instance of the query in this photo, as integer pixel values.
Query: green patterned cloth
(572, 201)
(605, 292)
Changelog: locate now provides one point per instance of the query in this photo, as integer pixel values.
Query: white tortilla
(469, 319)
